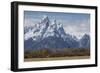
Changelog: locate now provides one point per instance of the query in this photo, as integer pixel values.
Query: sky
(76, 24)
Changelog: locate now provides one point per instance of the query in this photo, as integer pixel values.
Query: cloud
(30, 21)
(78, 29)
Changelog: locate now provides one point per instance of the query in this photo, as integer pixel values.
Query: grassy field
(56, 58)
(56, 54)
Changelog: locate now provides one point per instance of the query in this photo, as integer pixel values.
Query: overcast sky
(74, 23)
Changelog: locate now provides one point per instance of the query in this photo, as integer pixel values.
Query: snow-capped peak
(44, 19)
(39, 29)
(46, 28)
(51, 34)
(54, 21)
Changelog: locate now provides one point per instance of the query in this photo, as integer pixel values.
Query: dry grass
(50, 54)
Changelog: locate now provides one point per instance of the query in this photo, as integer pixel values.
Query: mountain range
(51, 34)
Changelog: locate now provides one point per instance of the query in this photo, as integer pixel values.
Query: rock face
(51, 34)
(85, 41)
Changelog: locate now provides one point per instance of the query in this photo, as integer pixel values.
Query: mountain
(49, 34)
(27, 29)
(85, 41)
(38, 30)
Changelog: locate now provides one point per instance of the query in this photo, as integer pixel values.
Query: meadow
(56, 54)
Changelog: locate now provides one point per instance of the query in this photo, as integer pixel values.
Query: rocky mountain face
(85, 41)
(51, 34)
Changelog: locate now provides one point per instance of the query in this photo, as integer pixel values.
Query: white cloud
(77, 29)
(30, 21)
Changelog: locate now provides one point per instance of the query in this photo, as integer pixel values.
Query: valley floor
(56, 58)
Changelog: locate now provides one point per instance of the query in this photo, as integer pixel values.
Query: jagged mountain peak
(44, 19)
(86, 35)
(45, 28)
(49, 34)
(85, 41)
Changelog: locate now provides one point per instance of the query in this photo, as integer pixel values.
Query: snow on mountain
(39, 29)
(49, 34)
(45, 29)
(51, 30)
(27, 29)
(85, 41)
